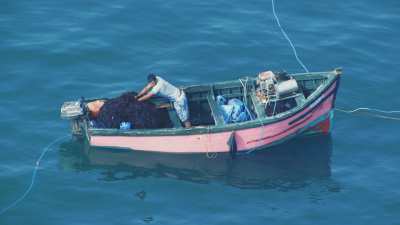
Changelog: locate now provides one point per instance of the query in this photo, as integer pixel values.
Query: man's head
(151, 78)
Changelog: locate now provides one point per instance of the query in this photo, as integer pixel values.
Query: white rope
(370, 110)
(23, 196)
(244, 85)
(287, 37)
(245, 96)
(210, 155)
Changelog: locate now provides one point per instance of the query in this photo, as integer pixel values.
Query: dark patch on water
(141, 195)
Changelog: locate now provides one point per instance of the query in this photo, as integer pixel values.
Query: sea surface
(56, 51)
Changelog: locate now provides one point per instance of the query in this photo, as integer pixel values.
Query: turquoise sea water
(54, 51)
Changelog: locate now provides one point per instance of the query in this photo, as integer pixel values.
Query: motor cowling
(72, 110)
(286, 87)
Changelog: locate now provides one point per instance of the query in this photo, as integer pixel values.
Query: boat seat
(174, 118)
(258, 106)
(216, 113)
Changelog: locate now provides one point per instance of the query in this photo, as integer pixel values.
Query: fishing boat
(281, 108)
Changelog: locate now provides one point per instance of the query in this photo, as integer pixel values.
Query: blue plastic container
(125, 126)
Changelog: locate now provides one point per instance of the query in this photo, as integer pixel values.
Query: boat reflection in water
(290, 166)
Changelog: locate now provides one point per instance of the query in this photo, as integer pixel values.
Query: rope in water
(367, 109)
(370, 110)
(28, 190)
(287, 37)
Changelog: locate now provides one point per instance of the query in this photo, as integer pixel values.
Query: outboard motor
(74, 111)
(275, 86)
(286, 87)
(276, 92)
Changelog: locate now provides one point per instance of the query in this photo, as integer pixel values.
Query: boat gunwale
(332, 77)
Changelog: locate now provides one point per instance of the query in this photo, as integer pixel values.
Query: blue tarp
(234, 110)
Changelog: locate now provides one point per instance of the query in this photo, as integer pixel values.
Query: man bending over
(158, 86)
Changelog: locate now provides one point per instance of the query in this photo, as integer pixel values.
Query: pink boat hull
(316, 118)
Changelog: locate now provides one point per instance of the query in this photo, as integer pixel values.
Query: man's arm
(145, 90)
(145, 97)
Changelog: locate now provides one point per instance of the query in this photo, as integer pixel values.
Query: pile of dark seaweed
(125, 108)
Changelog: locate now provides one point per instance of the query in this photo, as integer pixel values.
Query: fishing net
(125, 108)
